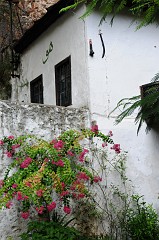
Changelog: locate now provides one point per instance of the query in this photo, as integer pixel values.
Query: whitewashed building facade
(64, 62)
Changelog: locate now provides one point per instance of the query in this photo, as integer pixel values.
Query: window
(36, 90)
(63, 83)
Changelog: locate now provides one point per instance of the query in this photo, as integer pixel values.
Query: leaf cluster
(40, 169)
(49, 230)
(54, 231)
(147, 108)
(145, 9)
(142, 220)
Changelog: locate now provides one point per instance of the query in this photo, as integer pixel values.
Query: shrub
(45, 174)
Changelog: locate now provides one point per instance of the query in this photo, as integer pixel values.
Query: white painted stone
(97, 83)
(43, 121)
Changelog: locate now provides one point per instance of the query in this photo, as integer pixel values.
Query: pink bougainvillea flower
(26, 162)
(77, 182)
(72, 188)
(51, 206)
(46, 160)
(67, 209)
(82, 176)
(1, 183)
(25, 215)
(63, 185)
(11, 137)
(59, 145)
(94, 129)
(9, 154)
(19, 196)
(64, 193)
(14, 185)
(110, 133)
(24, 165)
(39, 193)
(8, 205)
(60, 163)
(74, 195)
(80, 195)
(28, 184)
(104, 144)
(1, 142)
(70, 153)
(97, 179)
(25, 197)
(82, 155)
(14, 194)
(40, 209)
(53, 141)
(116, 147)
(15, 146)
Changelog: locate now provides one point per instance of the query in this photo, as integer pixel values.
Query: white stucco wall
(131, 60)
(44, 121)
(68, 37)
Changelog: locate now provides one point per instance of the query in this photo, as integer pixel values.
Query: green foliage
(55, 231)
(49, 230)
(147, 10)
(146, 107)
(127, 216)
(93, 186)
(43, 174)
(58, 229)
(142, 221)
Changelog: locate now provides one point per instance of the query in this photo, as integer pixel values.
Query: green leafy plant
(142, 221)
(147, 10)
(45, 174)
(112, 196)
(54, 231)
(49, 230)
(147, 108)
(123, 215)
(52, 179)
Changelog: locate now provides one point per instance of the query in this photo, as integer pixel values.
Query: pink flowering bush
(42, 168)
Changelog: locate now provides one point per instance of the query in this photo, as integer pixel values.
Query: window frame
(40, 92)
(68, 85)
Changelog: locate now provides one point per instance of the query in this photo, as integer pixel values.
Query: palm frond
(155, 78)
(90, 7)
(128, 111)
(147, 107)
(128, 105)
(73, 6)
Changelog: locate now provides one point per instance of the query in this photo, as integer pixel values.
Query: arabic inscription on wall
(48, 51)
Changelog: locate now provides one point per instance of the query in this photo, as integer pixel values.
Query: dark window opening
(63, 83)
(36, 90)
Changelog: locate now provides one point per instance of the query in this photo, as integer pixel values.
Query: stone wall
(44, 121)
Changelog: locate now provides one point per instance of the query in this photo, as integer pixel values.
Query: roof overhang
(41, 25)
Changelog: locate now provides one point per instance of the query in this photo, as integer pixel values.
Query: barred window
(63, 83)
(36, 90)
